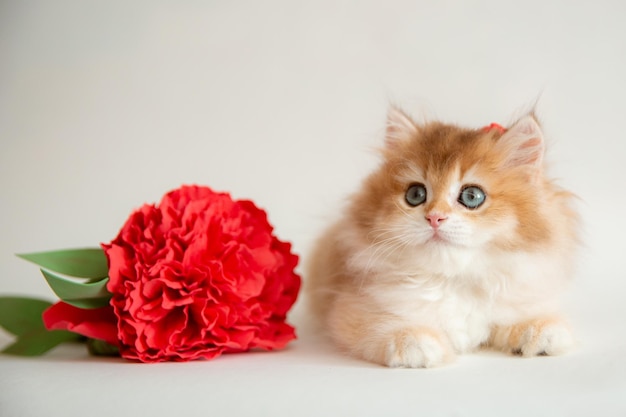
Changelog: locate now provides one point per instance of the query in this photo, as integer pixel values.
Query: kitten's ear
(400, 127)
(523, 144)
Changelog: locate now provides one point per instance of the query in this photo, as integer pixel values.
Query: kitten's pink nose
(435, 219)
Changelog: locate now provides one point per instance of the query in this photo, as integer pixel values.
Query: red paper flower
(97, 323)
(197, 276)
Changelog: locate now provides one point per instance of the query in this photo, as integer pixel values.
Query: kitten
(456, 241)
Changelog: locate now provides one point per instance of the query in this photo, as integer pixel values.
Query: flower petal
(98, 323)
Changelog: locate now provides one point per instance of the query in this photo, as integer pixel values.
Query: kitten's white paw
(416, 348)
(546, 336)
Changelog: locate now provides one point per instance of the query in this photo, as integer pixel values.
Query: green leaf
(79, 294)
(19, 315)
(101, 348)
(82, 263)
(38, 342)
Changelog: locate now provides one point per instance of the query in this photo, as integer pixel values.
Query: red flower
(200, 275)
(97, 323)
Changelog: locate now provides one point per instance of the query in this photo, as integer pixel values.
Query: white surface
(107, 105)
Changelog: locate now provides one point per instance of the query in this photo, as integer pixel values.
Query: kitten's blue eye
(472, 197)
(415, 195)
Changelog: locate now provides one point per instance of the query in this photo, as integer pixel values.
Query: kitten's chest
(465, 316)
(462, 312)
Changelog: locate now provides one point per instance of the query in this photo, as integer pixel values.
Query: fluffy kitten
(456, 241)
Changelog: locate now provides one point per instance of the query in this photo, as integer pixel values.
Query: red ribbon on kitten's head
(494, 126)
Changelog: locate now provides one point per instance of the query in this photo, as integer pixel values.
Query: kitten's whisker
(385, 247)
(404, 212)
(377, 234)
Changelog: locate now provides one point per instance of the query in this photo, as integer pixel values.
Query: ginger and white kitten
(456, 241)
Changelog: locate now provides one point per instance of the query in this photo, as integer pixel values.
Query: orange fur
(393, 289)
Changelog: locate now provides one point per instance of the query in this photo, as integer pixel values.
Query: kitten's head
(441, 186)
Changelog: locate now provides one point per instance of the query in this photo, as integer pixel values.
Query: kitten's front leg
(414, 347)
(387, 340)
(540, 336)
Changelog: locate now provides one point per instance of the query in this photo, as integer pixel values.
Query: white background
(107, 105)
